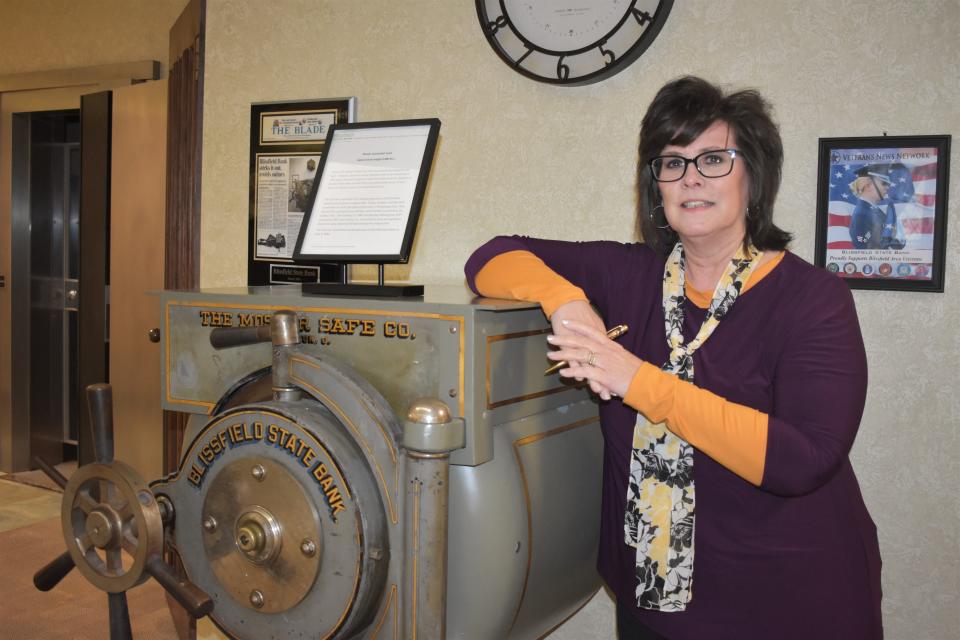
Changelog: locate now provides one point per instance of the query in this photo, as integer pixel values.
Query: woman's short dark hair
(680, 112)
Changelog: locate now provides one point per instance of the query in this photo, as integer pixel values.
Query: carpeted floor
(21, 505)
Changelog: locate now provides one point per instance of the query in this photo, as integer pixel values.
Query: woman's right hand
(579, 311)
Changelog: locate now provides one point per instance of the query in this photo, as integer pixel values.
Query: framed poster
(287, 140)
(882, 211)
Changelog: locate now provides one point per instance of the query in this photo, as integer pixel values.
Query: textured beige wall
(40, 35)
(521, 157)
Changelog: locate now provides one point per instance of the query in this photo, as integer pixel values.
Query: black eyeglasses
(710, 164)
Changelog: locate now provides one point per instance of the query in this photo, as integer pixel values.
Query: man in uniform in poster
(874, 224)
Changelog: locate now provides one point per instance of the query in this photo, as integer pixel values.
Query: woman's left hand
(606, 365)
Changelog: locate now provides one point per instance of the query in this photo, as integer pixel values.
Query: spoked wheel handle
(113, 527)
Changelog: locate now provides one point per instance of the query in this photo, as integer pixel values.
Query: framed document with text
(287, 141)
(367, 197)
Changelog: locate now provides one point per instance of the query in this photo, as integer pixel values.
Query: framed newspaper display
(287, 141)
(882, 211)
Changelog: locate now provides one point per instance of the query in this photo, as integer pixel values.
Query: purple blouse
(798, 556)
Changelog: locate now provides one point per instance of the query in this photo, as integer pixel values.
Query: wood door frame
(182, 233)
(184, 164)
(98, 78)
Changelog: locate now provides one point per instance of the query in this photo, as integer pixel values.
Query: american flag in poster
(881, 212)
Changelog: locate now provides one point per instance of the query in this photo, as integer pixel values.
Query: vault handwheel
(113, 527)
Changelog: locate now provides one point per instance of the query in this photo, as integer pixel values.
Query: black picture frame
(413, 218)
(289, 132)
(882, 211)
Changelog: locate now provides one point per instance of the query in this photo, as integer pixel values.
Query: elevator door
(39, 163)
(52, 241)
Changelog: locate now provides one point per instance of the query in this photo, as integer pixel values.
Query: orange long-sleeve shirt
(732, 434)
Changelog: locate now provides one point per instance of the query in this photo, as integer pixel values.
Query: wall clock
(571, 42)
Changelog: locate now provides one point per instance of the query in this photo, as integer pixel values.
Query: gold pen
(613, 334)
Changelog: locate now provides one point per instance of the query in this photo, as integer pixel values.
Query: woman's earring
(653, 217)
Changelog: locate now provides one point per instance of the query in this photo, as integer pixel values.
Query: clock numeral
(642, 17)
(610, 56)
(527, 35)
(497, 24)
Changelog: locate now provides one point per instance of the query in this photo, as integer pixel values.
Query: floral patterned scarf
(659, 519)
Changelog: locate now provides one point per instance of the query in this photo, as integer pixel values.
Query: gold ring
(592, 359)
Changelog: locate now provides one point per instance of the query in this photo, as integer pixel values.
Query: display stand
(379, 290)
(366, 202)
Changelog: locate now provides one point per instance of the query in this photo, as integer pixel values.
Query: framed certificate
(369, 189)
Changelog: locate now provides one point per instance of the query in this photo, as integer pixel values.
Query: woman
(730, 509)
